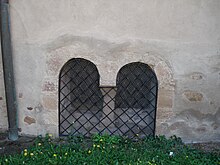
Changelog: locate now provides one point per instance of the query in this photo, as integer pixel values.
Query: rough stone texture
(193, 96)
(50, 102)
(165, 98)
(177, 38)
(49, 86)
(196, 76)
(163, 114)
(29, 120)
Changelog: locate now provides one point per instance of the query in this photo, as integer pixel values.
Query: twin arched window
(86, 108)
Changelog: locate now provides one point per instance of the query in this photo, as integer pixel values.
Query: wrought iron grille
(85, 108)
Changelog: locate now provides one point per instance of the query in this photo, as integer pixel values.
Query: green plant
(112, 150)
(105, 138)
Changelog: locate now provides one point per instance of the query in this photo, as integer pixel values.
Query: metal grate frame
(86, 108)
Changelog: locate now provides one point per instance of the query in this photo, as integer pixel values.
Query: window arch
(136, 99)
(86, 108)
(79, 97)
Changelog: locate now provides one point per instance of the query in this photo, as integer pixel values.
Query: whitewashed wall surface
(179, 39)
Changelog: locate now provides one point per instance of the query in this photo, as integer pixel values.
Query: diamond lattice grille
(86, 108)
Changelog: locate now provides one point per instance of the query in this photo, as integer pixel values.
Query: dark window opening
(80, 96)
(86, 108)
(136, 99)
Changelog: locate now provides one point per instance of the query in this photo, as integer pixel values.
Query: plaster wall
(179, 39)
(3, 110)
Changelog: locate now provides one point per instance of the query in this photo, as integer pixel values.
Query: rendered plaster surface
(179, 39)
(3, 109)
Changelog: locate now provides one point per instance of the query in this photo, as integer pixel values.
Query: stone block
(49, 86)
(29, 120)
(165, 98)
(50, 102)
(164, 114)
(193, 96)
(196, 76)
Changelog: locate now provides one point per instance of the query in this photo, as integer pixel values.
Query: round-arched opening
(127, 109)
(79, 95)
(136, 98)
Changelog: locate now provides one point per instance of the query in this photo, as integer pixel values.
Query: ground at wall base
(9, 147)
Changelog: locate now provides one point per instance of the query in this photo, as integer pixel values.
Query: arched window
(86, 108)
(80, 99)
(136, 99)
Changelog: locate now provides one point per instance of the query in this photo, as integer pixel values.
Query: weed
(112, 150)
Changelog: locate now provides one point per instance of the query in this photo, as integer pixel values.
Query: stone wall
(179, 39)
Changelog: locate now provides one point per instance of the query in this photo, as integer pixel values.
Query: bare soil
(8, 147)
(13, 147)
